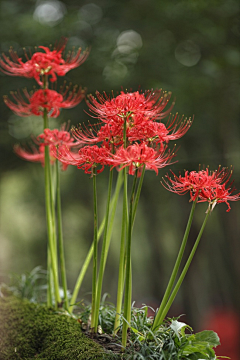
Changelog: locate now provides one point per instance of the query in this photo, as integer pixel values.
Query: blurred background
(188, 47)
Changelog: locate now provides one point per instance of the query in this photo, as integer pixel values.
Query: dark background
(188, 47)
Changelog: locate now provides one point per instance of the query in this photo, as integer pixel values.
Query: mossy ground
(30, 331)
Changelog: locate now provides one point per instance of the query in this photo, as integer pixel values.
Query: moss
(30, 331)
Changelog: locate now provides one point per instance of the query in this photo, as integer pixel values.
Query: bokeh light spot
(188, 53)
(90, 13)
(49, 12)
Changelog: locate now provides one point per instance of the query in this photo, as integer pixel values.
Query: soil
(106, 341)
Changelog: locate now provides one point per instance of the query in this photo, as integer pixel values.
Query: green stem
(113, 206)
(90, 252)
(183, 274)
(95, 250)
(49, 266)
(50, 220)
(50, 226)
(60, 239)
(103, 253)
(175, 269)
(121, 271)
(127, 296)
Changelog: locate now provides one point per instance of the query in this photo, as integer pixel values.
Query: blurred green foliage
(188, 47)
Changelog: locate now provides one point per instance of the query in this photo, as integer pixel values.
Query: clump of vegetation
(34, 331)
(174, 340)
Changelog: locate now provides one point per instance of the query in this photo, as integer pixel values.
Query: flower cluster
(40, 66)
(45, 102)
(139, 112)
(204, 186)
(129, 131)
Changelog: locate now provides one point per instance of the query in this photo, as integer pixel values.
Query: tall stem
(127, 296)
(95, 250)
(90, 252)
(51, 221)
(103, 253)
(183, 274)
(121, 272)
(176, 267)
(60, 239)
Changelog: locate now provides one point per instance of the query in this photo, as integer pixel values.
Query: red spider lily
(218, 195)
(88, 157)
(139, 155)
(49, 63)
(204, 186)
(149, 131)
(42, 99)
(55, 139)
(111, 134)
(108, 134)
(140, 111)
(133, 106)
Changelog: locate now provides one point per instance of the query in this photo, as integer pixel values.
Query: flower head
(159, 133)
(204, 186)
(136, 156)
(55, 139)
(88, 157)
(140, 112)
(42, 63)
(51, 100)
(133, 105)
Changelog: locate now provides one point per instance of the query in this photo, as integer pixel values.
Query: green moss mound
(30, 331)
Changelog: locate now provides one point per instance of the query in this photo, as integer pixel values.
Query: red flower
(134, 106)
(137, 155)
(88, 157)
(55, 139)
(49, 62)
(140, 111)
(157, 132)
(204, 186)
(44, 99)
